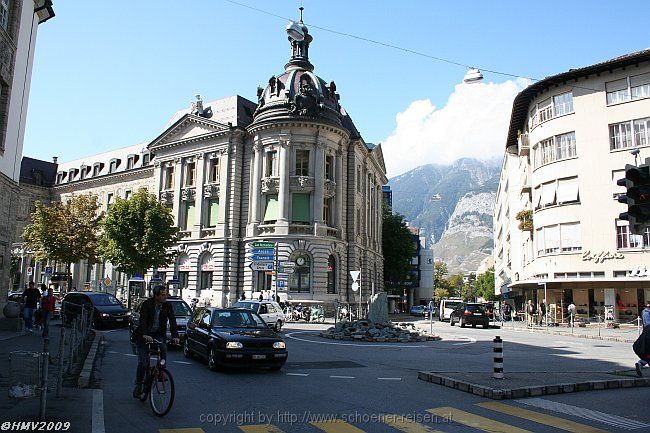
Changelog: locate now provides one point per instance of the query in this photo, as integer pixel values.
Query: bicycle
(158, 384)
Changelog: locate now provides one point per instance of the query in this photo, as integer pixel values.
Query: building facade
(19, 20)
(291, 169)
(558, 235)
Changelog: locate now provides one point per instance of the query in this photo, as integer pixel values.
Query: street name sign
(263, 251)
(262, 257)
(263, 244)
(261, 266)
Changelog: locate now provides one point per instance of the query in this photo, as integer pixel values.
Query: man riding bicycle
(154, 314)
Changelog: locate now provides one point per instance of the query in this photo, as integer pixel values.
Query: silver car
(270, 311)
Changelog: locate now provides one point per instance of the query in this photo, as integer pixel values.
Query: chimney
(55, 159)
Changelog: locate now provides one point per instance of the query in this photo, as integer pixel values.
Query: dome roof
(298, 92)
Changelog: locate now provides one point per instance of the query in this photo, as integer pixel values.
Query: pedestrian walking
(507, 313)
(530, 313)
(47, 310)
(30, 300)
(542, 312)
(643, 338)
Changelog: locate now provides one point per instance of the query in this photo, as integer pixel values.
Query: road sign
(262, 257)
(262, 244)
(261, 266)
(29, 271)
(48, 270)
(263, 251)
(355, 286)
(355, 275)
(288, 270)
(107, 281)
(288, 264)
(282, 283)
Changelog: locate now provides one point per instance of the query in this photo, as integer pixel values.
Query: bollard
(45, 357)
(498, 358)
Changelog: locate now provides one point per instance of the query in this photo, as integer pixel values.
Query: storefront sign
(207, 267)
(600, 256)
(183, 267)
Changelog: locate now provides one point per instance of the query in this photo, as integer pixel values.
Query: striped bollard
(498, 358)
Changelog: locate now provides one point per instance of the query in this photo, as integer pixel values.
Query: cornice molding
(119, 175)
(298, 124)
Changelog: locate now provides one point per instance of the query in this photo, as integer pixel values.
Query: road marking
(389, 378)
(111, 351)
(342, 377)
(260, 428)
(129, 354)
(475, 421)
(594, 415)
(298, 374)
(182, 362)
(402, 424)
(98, 411)
(336, 426)
(542, 418)
(470, 340)
(181, 430)
(290, 335)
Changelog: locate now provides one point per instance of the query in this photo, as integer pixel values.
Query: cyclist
(154, 314)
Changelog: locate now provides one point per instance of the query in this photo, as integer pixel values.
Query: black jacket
(146, 319)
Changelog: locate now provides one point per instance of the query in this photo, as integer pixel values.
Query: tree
(455, 283)
(398, 248)
(67, 232)
(440, 285)
(485, 285)
(138, 233)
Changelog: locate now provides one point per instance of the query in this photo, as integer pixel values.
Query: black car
(467, 313)
(182, 314)
(106, 309)
(233, 337)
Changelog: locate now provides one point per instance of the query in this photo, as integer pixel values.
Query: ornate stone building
(291, 169)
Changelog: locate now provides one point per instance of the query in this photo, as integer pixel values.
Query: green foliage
(67, 232)
(398, 249)
(440, 285)
(485, 285)
(455, 283)
(138, 234)
(525, 218)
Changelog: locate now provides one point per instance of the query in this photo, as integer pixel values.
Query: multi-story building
(557, 227)
(291, 169)
(19, 20)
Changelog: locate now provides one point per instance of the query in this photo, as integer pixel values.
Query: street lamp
(545, 306)
(473, 75)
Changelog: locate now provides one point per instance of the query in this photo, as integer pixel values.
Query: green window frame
(300, 208)
(188, 219)
(271, 212)
(213, 212)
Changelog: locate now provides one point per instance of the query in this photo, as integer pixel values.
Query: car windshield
(237, 319)
(475, 308)
(451, 305)
(105, 299)
(180, 308)
(254, 306)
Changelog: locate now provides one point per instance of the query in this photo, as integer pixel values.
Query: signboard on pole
(48, 271)
(261, 266)
(262, 257)
(355, 275)
(263, 251)
(262, 244)
(29, 271)
(355, 286)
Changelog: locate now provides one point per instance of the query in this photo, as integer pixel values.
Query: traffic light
(637, 196)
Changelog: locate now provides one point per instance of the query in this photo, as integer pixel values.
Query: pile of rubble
(387, 332)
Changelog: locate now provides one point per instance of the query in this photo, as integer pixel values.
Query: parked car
(467, 313)
(106, 309)
(447, 306)
(417, 310)
(233, 337)
(270, 311)
(182, 314)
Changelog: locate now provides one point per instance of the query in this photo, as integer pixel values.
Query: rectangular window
(566, 145)
(190, 174)
(625, 239)
(128, 195)
(326, 211)
(570, 237)
(109, 200)
(271, 211)
(129, 163)
(620, 135)
(567, 190)
(213, 212)
(206, 280)
(272, 163)
(563, 104)
(640, 86)
(539, 241)
(532, 118)
(300, 208)
(545, 110)
(548, 194)
(552, 239)
(112, 167)
(188, 217)
(96, 170)
(617, 91)
(302, 162)
(358, 221)
(329, 167)
(169, 177)
(641, 132)
(358, 179)
(145, 159)
(616, 189)
(4, 14)
(213, 176)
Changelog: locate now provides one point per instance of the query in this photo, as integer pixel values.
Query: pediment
(379, 156)
(186, 128)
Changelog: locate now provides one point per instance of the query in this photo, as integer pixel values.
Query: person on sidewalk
(646, 323)
(572, 313)
(542, 312)
(530, 313)
(47, 310)
(155, 312)
(30, 300)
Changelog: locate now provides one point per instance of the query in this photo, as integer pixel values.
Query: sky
(111, 74)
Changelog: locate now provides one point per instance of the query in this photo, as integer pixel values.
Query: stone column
(158, 176)
(338, 198)
(198, 196)
(224, 180)
(317, 202)
(285, 179)
(178, 171)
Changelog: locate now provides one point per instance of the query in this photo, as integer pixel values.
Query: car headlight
(128, 313)
(279, 345)
(105, 314)
(234, 345)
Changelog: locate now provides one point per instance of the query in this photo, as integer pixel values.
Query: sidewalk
(73, 406)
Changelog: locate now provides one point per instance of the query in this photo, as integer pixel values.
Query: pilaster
(319, 178)
(198, 196)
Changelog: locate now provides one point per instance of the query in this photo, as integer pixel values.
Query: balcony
(525, 181)
(301, 229)
(524, 144)
(302, 183)
(208, 233)
(184, 234)
(332, 232)
(270, 185)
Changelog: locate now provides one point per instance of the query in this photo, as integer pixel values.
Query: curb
(585, 336)
(84, 376)
(530, 391)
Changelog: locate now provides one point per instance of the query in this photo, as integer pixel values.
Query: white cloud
(473, 123)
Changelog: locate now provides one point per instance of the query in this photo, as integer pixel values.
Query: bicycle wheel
(161, 393)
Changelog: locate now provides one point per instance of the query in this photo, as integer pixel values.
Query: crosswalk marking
(478, 422)
(181, 430)
(407, 426)
(260, 428)
(336, 426)
(542, 418)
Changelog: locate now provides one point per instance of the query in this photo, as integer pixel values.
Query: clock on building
(300, 261)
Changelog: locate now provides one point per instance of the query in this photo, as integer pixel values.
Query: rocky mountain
(452, 205)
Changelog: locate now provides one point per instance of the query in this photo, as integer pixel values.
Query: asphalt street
(358, 383)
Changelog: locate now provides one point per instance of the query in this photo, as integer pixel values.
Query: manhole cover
(322, 365)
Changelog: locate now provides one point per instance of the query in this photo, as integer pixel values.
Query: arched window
(184, 270)
(331, 275)
(300, 280)
(207, 267)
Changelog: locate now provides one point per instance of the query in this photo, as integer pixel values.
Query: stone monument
(378, 308)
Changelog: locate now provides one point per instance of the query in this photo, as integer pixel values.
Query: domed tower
(303, 184)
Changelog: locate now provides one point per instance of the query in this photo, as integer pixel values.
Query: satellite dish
(295, 32)
(473, 76)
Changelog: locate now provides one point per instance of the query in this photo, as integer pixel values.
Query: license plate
(478, 314)
(259, 356)
(118, 320)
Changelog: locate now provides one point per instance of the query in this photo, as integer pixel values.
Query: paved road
(356, 383)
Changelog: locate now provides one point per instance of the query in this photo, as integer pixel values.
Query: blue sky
(110, 74)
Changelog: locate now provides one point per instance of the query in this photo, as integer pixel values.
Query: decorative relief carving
(329, 188)
(306, 102)
(211, 190)
(304, 183)
(188, 194)
(167, 197)
(156, 164)
(199, 156)
(270, 184)
(205, 246)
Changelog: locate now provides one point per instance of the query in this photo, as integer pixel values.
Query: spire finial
(301, 9)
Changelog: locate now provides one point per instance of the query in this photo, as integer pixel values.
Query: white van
(448, 305)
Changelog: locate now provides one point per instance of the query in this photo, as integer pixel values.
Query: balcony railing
(524, 145)
(301, 229)
(184, 234)
(207, 233)
(332, 232)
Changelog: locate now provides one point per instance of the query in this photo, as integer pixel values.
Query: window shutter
(552, 237)
(567, 190)
(548, 194)
(616, 85)
(570, 234)
(300, 208)
(271, 213)
(640, 80)
(213, 212)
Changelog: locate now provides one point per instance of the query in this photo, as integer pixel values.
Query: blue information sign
(263, 251)
(262, 257)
